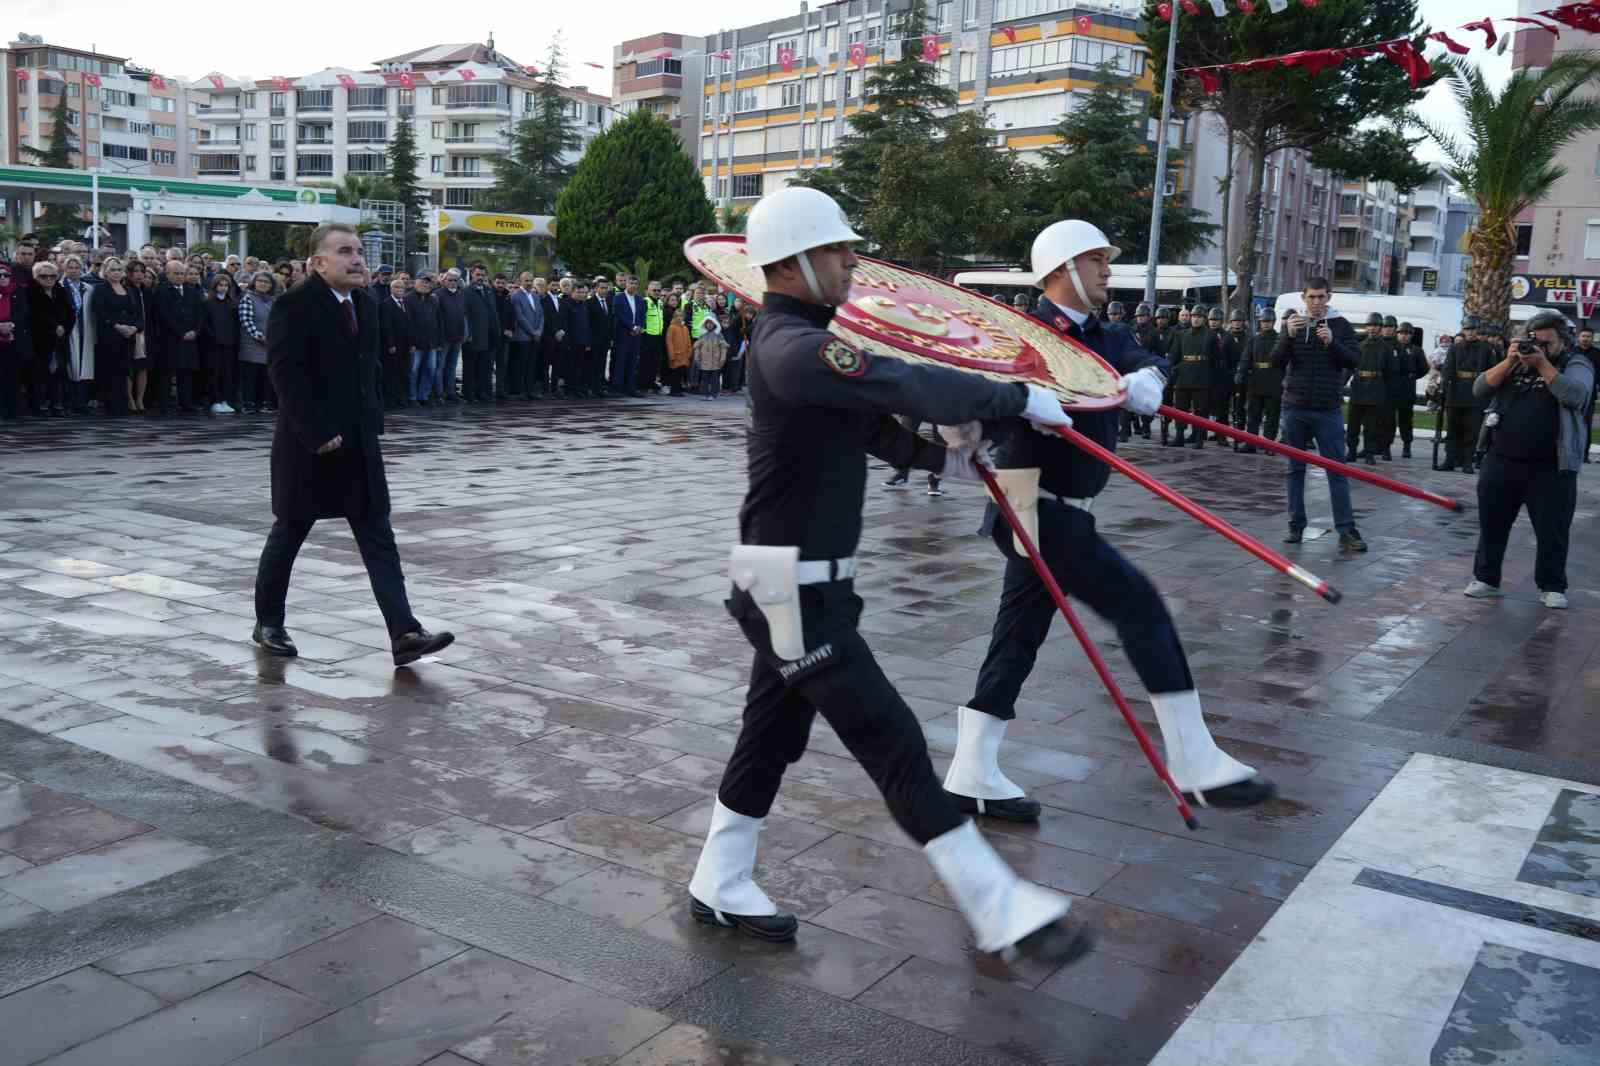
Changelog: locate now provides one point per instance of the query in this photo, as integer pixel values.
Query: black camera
(1526, 347)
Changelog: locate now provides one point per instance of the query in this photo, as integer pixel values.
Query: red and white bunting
(215, 80)
(786, 59)
(858, 55)
(345, 80)
(158, 83)
(1011, 34)
(22, 75)
(407, 81)
(930, 48)
(1085, 24)
(466, 73)
(92, 79)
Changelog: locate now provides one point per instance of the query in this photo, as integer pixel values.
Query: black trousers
(1195, 401)
(1262, 415)
(847, 687)
(1092, 571)
(1461, 434)
(10, 381)
(1222, 406)
(652, 358)
(1505, 487)
(593, 372)
(1402, 413)
(546, 357)
(374, 537)
(477, 371)
(505, 366)
(253, 382)
(1362, 422)
(221, 372)
(392, 372)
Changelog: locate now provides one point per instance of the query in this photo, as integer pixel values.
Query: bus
(1175, 284)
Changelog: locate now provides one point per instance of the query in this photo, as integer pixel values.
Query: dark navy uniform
(1262, 383)
(1463, 412)
(1406, 367)
(818, 407)
(1086, 567)
(1196, 357)
(1369, 398)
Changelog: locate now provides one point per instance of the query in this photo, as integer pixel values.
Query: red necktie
(350, 317)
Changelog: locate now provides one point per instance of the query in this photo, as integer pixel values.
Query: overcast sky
(294, 37)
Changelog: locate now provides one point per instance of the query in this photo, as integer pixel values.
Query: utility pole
(1158, 194)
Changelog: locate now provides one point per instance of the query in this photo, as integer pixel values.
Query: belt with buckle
(822, 571)
(1083, 503)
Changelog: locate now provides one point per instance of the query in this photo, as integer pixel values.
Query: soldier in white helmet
(1052, 484)
(818, 407)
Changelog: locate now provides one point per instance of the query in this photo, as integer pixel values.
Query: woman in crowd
(53, 318)
(255, 307)
(14, 339)
(284, 273)
(219, 339)
(119, 326)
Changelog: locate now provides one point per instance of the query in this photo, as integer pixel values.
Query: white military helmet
(1062, 242)
(792, 221)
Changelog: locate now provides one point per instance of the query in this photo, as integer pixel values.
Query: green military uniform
(1261, 383)
(1194, 368)
(1369, 397)
(1462, 410)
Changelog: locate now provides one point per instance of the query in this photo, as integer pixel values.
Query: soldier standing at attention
(1469, 357)
(1229, 409)
(1407, 365)
(1369, 393)
(1194, 362)
(1261, 382)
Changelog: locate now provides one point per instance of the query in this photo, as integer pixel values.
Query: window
(789, 94)
(224, 163)
(275, 104)
(942, 20)
(1524, 240)
(247, 132)
(163, 103)
(406, 100)
(827, 135)
(72, 90)
(438, 97)
(746, 185)
(436, 164)
(162, 157)
(874, 33)
(366, 163)
(93, 148)
(461, 197)
(165, 130)
(814, 43)
(275, 134)
(792, 43)
(466, 167)
(94, 121)
(830, 86)
(137, 127)
(247, 101)
(752, 56)
(91, 92)
(969, 12)
(480, 96)
(280, 167)
(1027, 113)
(850, 83)
(319, 165)
(249, 162)
(1073, 51)
(306, 133)
(1591, 239)
(657, 66)
(722, 103)
(748, 100)
(367, 132)
(375, 98)
(313, 100)
(72, 118)
(22, 114)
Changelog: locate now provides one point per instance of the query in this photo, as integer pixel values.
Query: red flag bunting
(22, 75)
(1165, 11)
(721, 55)
(158, 82)
(1085, 23)
(1533, 22)
(786, 59)
(407, 81)
(1308, 3)
(1011, 34)
(858, 55)
(1449, 42)
(930, 48)
(1190, 7)
(466, 75)
(1210, 81)
(1487, 26)
(597, 66)
(215, 80)
(1578, 16)
(1408, 59)
(346, 80)
(91, 79)
(1247, 6)
(663, 54)
(281, 84)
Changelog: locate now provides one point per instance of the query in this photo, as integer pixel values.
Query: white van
(1429, 314)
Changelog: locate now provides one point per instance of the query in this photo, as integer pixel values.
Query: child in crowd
(710, 355)
(678, 352)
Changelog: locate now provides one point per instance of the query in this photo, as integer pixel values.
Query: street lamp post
(1158, 194)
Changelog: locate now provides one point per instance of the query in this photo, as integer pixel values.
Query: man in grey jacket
(453, 308)
(1536, 440)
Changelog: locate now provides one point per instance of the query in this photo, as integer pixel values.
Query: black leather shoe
(413, 646)
(1352, 542)
(274, 640)
(776, 928)
(1021, 809)
(1295, 535)
(1242, 794)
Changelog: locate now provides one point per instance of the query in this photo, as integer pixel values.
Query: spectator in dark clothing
(16, 338)
(119, 320)
(53, 319)
(427, 336)
(575, 332)
(219, 339)
(601, 335)
(394, 345)
(502, 345)
(483, 333)
(178, 308)
(452, 300)
(529, 325)
(547, 356)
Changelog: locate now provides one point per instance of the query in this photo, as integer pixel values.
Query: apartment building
(774, 96)
(1371, 242)
(463, 101)
(662, 73)
(124, 120)
(1295, 239)
(1441, 218)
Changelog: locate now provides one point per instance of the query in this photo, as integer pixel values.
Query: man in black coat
(179, 306)
(574, 334)
(394, 345)
(545, 370)
(601, 335)
(507, 316)
(322, 353)
(483, 336)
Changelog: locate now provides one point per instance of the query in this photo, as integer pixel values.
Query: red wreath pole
(1169, 411)
(1087, 644)
(1205, 517)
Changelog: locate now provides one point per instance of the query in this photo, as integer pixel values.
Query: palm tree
(1506, 160)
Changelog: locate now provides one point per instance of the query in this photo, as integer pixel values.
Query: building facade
(662, 73)
(1440, 220)
(1371, 243)
(774, 97)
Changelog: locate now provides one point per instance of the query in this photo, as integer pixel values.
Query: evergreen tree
(528, 178)
(57, 220)
(403, 161)
(916, 177)
(1104, 171)
(634, 194)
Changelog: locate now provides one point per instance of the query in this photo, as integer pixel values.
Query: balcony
(1424, 228)
(314, 142)
(277, 144)
(277, 112)
(358, 140)
(309, 172)
(502, 107)
(209, 113)
(218, 144)
(1425, 260)
(1426, 197)
(476, 144)
(481, 172)
(207, 171)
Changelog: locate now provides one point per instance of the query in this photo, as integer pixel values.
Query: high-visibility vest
(700, 315)
(653, 322)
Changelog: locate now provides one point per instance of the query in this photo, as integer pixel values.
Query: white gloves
(1144, 391)
(1044, 410)
(961, 463)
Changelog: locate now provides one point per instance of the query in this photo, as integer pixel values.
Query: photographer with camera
(1534, 441)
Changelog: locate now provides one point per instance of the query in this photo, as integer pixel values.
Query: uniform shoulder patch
(843, 359)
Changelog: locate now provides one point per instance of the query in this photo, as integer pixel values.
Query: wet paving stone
(540, 790)
(71, 1009)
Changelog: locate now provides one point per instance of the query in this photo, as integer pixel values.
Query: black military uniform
(1407, 365)
(1260, 382)
(1144, 331)
(1225, 394)
(1463, 411)
(1369, 393)
(817, 409)
(1195, 360)
(1166, 333)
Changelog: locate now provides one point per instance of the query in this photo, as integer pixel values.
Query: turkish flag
(1190, 7)
(1247, 6)
(1487, 26)
(858, 55)
(1408, 59)
(1210, 82)
(1085, 23)
(157, 82)
(786, 59)
(662, 55)
(346, 80)
(91, 79)
(215, 80)
(721, 55)
(22, 75)
(281, 84)
(930, 48)
(1165, 11)
(1533, 22)
(1449, 42)
(1011, 34)
(407, 81)
(467, 75)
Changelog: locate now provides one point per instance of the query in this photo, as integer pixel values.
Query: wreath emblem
(844, 360)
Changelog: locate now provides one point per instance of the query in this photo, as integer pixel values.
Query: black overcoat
(326, 383)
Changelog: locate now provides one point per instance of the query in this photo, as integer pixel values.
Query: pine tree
(633, 194)
(529, 177)
(1104, 171)
(57, 220)
(403, 161)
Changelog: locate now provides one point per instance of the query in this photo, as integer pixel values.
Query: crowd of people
(161, 331)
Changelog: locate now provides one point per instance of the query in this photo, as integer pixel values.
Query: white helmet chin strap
(1072, 273)
(811, 277)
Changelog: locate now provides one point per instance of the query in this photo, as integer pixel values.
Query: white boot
(1000, 906)
(721, 891)
(1193, 758)
(975, 770)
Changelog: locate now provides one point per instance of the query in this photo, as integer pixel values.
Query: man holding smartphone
(1316, 351)
(1537, 440)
